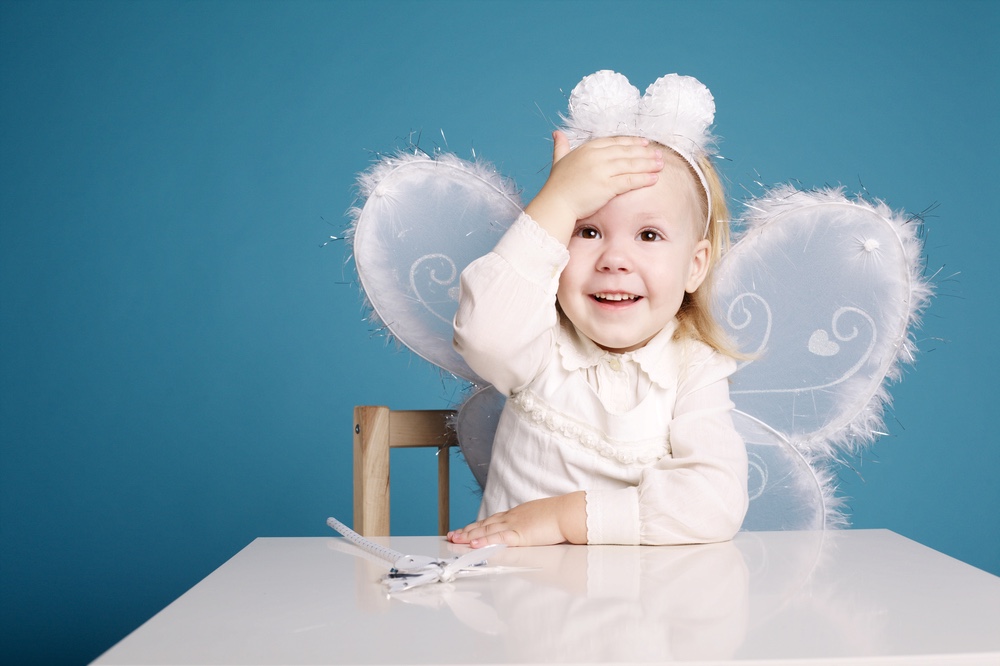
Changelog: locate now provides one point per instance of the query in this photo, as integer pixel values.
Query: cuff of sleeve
(533, 253)
(613, 516)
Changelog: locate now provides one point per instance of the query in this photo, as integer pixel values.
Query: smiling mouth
(602, 297)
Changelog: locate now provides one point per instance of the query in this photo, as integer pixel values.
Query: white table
(855, 596)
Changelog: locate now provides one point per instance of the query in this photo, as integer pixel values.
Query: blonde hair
(695, 318)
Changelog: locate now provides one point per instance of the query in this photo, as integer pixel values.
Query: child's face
(631, 262)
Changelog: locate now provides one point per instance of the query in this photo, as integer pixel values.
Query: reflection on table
(778, 597)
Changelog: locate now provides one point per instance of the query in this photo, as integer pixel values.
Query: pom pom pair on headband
(675, 111)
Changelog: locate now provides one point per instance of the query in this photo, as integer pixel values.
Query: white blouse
(647, 434)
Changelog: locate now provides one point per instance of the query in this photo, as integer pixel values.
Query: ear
(699, 265)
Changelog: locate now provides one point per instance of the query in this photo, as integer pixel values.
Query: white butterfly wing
(786, 492)
(422, 220)
(822, 293)
(476, 426)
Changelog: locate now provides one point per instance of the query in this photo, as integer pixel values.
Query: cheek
(668, 280)
(563, 291)
(571, 278)
(567, 296)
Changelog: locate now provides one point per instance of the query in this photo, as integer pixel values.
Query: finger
(478, 528)
(632, 149)
(506, 537)
(461, 535)
(620, 140)
(560, 146)
(633, 181)
(630, 140)
(646, 162)
(465, 535)
(483, 528)
(615, 160)
(633, 167)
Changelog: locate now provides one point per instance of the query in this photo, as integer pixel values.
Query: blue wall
(180, 356)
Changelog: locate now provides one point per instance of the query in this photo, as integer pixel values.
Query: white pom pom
(678, 111)
(602, 104)
(675, 110)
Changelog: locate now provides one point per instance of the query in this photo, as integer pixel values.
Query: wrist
(552, 215)
(573, 517)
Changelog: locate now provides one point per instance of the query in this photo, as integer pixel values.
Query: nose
(614, 257)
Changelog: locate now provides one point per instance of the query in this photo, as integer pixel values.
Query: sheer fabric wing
(786, 490)
(423, 219)
(476, 426)
(821, 292)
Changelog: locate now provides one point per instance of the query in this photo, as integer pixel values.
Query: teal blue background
(180, 355)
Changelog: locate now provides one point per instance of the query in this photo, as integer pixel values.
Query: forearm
(697, 493)
(506, 312)
(691, 503)
(553, 215)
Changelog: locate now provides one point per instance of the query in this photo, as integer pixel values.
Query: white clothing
(647, 434)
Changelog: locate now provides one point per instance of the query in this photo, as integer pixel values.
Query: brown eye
(588, 232)
(649, 235)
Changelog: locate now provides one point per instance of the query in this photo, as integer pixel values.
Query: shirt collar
(658, 358)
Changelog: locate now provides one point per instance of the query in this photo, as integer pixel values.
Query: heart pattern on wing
(821, 344)
(821, 293)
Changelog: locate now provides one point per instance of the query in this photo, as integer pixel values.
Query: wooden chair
(378, 429)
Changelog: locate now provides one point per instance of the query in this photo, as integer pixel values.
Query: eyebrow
(655, 217)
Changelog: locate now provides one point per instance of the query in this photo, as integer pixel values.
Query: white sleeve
(506, 318)
(698, 493)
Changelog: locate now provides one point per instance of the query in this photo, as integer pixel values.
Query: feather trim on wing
(864, 413)
(424, 216)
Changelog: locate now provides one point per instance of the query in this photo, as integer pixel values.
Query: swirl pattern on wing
(424, 218)
(438, 294)
(821, 297)
(821, 294)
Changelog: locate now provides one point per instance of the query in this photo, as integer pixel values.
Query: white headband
(675, 111)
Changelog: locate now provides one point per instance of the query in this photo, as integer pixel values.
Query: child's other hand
(582, 181)
(538, 523)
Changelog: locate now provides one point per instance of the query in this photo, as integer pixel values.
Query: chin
(619, 346)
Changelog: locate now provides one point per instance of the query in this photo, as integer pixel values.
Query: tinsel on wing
(862, 421)
(823, 293)
(419, 220)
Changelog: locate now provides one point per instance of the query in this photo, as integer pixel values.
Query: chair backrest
(378, 429)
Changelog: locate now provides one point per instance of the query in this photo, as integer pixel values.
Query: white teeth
(615, 297)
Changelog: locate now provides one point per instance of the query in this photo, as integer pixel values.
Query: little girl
(592, 316)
